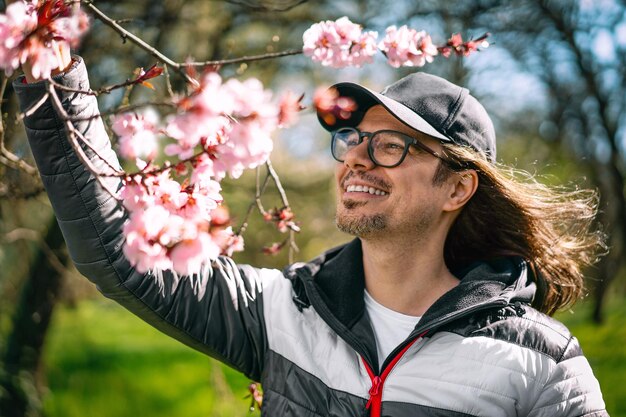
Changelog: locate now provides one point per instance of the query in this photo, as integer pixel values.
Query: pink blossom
(201, 201)
(227, 241)
(330, 43)
(169, 194)
(137, 135)
(143, 234)
(364, 49)
(455, 44)
(250, 146)
(407, 47)
(135, 195)
(29, 29)
(209, 97)
(72, 27)
(190, 254)
(157, 239)
(193, 128)
(203, 119)
(252, 102)
(289, 107)
(203, 169)
(234, 243)
(274, 248)
(16, 24)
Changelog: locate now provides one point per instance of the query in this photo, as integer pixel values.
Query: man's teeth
(364, 189)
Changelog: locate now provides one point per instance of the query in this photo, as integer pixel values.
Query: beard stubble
(370, 226)
(360, 226)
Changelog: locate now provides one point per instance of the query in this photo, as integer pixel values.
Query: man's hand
(63, 56)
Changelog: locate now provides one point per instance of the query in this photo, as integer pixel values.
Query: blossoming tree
(216, 128)
(210, 129)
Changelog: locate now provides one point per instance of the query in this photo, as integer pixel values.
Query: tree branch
(7, 157)
(139, 42)
(33, 235)
(269, 55)
(72, 133)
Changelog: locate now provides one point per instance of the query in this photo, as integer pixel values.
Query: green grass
(102, 361)
(605, 348)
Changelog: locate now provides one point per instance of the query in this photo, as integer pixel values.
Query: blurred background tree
(554, 83)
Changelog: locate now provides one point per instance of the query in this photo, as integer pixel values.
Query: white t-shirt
(390, 327)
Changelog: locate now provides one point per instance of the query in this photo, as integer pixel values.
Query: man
(426, 313)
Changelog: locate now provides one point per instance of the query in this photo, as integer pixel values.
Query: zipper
(374, 403)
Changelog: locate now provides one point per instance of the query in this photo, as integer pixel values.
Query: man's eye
(391, 146)
(394, 146)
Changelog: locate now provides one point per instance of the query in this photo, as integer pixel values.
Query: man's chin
(360, 226)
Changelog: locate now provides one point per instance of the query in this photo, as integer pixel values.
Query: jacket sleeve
(571, 389)
(219, 313)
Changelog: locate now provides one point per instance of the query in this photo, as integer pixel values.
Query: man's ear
(462, 187)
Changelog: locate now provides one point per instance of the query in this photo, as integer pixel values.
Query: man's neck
(406, 279)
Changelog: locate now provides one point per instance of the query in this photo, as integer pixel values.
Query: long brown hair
(512, 214)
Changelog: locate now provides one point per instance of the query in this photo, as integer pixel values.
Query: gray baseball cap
(428, 104)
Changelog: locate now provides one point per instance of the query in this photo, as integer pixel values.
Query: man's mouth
(364, 189)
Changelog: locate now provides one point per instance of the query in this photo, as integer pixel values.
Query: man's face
(372, 200)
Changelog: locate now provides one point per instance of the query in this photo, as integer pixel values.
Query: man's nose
(358, 158)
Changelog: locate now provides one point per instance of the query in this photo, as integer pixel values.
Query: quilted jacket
(480, 350)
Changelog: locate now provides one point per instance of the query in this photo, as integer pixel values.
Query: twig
(29, 234)
(96, 93)
(123, 109)
(168, 83)
(179, 66)
(293, 248)
(155, 170)
(260, 189)
(139, 42)
(248, 58)
(279, 187)
(11, 160)
(7, 157)
(263, 8)
(90, 146)
(18, 193)
(283, 196)
(72, 133)
(32, 110)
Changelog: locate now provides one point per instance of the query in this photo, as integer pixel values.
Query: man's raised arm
(225, 319)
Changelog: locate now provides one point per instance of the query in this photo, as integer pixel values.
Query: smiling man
(437, 308)
(387, 197)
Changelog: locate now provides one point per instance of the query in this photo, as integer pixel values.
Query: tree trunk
(611, 216)
(19, 394)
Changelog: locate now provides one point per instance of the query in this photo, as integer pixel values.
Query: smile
(364, 189)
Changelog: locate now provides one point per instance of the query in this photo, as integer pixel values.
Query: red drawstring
(374, 403)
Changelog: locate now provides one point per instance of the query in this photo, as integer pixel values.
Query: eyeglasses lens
(343, 140)
(387, 148)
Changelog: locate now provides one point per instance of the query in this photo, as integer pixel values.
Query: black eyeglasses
(386, 148)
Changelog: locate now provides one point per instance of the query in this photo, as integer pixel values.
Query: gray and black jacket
(480, 350)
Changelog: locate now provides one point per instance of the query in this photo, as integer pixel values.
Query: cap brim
(366, 98)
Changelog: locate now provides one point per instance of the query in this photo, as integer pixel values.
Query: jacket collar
(338, 277)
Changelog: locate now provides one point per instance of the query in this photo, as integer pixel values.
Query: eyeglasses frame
(408, 140)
